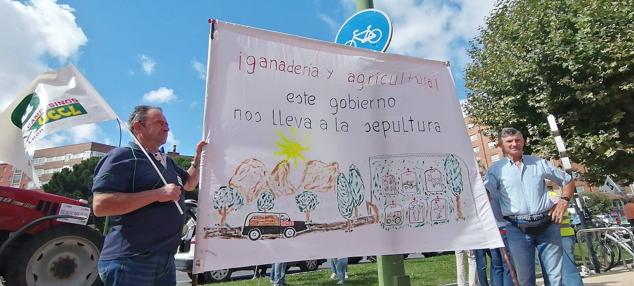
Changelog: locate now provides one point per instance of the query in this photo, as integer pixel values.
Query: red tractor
(44, 240)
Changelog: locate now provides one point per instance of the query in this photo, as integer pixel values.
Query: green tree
(226, 200)
(75, 183)
(570, 58)
(266, 201)
(597, 203)
(306, 202)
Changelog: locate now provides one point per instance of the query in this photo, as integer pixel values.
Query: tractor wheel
(63, 255)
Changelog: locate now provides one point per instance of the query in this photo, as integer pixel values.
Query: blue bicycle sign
(368, 35)
(369, 29)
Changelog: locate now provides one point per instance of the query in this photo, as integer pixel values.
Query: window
(474, 137)
(492, 145)
(17, 177)
(39, 161)
(580, 189)
(470, 125)
(495, 158)
(476, 149)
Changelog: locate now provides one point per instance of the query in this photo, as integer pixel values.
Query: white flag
(611, 187)
(54, 101)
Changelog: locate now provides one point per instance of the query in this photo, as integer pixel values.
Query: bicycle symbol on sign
(368, 35)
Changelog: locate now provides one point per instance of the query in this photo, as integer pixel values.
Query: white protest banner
(54, 101)
(320, 150)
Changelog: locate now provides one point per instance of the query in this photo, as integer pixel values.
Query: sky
(155, 51)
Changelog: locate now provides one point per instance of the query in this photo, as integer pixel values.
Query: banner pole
(391, 268)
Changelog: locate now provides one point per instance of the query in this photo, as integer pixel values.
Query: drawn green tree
(345, 202)
(226, 200)
(306, 202)
(266, 201)
(454, 180)
(357, 188)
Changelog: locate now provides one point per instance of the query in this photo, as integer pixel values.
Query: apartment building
(12, 177)
(485, 149)
(52, 160)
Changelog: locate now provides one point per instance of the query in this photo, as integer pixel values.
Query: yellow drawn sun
(291, 149)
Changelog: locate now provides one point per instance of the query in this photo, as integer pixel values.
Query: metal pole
(364, 4)
(390, 267)
(577, 204)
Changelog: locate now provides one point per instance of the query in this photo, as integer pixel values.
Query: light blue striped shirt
(521, 190)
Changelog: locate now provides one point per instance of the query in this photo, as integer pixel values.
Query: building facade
(12, 177)
(52, 160)
(485, 150)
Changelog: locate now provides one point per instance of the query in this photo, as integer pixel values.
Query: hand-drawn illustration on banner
(321, 150)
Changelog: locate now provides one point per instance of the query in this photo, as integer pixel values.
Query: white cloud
(160, 95)
(37, 29)
(52, 140)
(85, 133)
(79, 134)
(199, 68)
(148, 64)
(193, 104)
(435, 29)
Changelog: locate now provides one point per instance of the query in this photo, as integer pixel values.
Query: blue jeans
(499, 272)
(570, 275)
(278, 273)
(481, 266)
(139, 270)
(341, 266)
(522, 247)
(333, 265)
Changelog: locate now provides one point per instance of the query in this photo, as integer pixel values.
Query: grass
(437, 270)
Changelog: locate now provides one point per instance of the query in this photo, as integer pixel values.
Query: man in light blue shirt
(517, 181)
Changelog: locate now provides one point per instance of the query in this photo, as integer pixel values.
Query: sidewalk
(618, 277)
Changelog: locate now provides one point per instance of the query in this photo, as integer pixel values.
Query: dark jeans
(140, 270)
(499, 273)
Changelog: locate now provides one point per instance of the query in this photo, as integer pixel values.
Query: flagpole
(149, 159)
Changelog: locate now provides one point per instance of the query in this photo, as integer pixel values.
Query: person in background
(460, 269)
(278, 274)
(501, 271)
(569, 273)
(339, 269)
(628, 211)
(518, 183)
